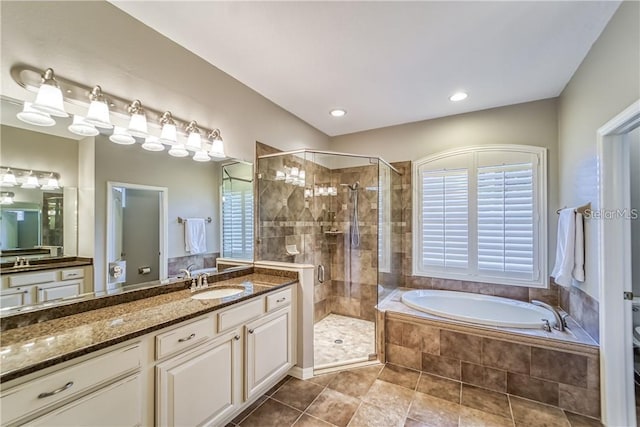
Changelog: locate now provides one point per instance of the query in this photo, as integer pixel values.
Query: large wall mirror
(79, 219)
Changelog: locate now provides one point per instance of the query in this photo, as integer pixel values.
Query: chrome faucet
(561, 323)
(187, 271)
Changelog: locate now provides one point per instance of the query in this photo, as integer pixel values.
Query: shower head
(352, 187)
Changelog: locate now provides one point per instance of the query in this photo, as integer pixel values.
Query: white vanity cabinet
(199, 386)
(46, 285)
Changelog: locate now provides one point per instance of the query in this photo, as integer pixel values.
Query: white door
(199, 387)
(269, 350)
(119, 404)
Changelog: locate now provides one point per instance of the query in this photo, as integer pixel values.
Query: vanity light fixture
(151, 143)
(98, 114)
(458, 96)
(34, 117)
(169, 133)
(49, 98)
(81, 127)
(217, 145)
(194, 141)
(31, 182)
(52, 183)
(9, 179)
(121, 136)
(201, 156)
(178, 150)
(338, 112)
(6, 197)
(138, 121)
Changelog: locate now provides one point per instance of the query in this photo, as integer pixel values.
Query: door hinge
(628, 295)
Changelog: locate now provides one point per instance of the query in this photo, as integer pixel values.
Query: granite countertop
(31, 348)
(49, 265)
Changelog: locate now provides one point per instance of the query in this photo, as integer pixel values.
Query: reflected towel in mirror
(195, 241)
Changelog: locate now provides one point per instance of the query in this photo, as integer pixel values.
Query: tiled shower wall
(577, 303)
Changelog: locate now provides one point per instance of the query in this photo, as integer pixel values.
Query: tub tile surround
(198, 261)
(582, 307)
(392, 395)
(494, 362)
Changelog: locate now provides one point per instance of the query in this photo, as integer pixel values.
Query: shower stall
(341, 213)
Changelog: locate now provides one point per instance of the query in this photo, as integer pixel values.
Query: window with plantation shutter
(237, 223)
(479, 215)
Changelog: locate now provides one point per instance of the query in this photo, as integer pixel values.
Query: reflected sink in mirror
(218, 293)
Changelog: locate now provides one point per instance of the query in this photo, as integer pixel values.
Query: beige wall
(634, 143)
(607, 82)
(532, 123)
(93, 42)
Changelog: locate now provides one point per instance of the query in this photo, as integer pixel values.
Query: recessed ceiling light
(338, 112)
(458, 96)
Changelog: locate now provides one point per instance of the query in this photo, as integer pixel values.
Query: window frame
(540, 216)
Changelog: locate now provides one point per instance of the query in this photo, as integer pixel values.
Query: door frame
(617, 384)
(163, 232)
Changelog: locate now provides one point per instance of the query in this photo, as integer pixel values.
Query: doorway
(615, 262)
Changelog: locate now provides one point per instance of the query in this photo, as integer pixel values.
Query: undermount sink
(218, 293)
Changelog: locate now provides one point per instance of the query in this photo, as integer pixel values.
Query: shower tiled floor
(395, 396)
(357, 335)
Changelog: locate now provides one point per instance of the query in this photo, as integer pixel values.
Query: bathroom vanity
(164, 360)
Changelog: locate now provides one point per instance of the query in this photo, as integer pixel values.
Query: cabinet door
(269, 351)
(15, 297)
(59, 290)
(119, 404)
(199, 387)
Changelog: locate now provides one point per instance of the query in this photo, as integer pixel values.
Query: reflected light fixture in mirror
(138, 121)
(9, 179)
(52, 183)
(152, 144)
(121, 136)
(34, 117)
(98, 114)
(31, 182)
(49, 98)
(6, 197)
(81, 127)
(217, 145)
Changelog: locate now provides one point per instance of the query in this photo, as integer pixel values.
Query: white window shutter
(506, 220)
(444, 214)
(237, 224)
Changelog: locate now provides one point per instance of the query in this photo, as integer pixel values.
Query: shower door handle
(321, 273)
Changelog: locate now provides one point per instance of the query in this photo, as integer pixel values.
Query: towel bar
(182, 220)
(580, 209)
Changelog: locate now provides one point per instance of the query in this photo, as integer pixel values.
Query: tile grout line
(267, 398)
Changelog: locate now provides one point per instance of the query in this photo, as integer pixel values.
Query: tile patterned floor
(395, 396)
(357, 335)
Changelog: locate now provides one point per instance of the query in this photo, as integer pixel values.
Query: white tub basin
(218, 293)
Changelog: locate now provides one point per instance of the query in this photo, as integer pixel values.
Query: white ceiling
(386, 63)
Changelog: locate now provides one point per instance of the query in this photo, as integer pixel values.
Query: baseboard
(301, 373)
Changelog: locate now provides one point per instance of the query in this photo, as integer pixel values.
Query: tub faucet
(560, 321)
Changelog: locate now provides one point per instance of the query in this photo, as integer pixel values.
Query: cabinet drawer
(235, 316)
(279, 299)
(58, 290)
(184, 337)
(33, 278)
(76, 273)
(50, 389)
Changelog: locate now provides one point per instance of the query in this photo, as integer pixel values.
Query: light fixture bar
(75, 93)
(18, 172)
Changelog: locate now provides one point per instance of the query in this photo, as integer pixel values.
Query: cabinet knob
(250, 331)
(237, 338)
(192, 336)
(56, 391)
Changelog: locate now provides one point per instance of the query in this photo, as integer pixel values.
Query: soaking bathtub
(478, 309)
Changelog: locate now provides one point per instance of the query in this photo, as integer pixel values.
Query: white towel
(195, 240)
(570, 249)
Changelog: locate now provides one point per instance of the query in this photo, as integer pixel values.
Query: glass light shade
(6, 200)
(98, 115)
(49, 100)
(152, 144)
(294, 172)
(201, 156)
(194, 141)
(9, 179)
(178, 150)
(138, 125)
(31, 182)
(34, 117)
(81, 127)
(52, 183)
(121, 136)
(280, 176)
(217, 149)
(169, 134)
